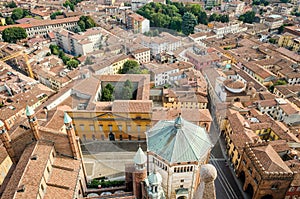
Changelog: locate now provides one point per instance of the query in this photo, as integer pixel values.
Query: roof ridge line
(174, 145)
(190, 145)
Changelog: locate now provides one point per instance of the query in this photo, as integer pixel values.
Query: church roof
(178, 141)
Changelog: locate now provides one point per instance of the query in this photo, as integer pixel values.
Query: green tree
(188, 23)
(176, 23)
(130, 67)
(14, 34)
(248, 17)
(285, 1)
(278, 82)
(86, 22)
(280, 29)
(194, 9)
(11, 4)
(54, 49)
(65, 59)
(77, 29)
(81, 25)
(202, 18)
(107, 93)
(213, 17)
(61, 53)
(17, 13)
(127, 90)
(9, 21)
(54, 14)
(69, 4)
(224, 18)
(27, 13)
(272, 40)
(72, 63)
(110, 87)
(90, 23)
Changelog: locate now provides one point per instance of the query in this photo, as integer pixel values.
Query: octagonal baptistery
(177, 149)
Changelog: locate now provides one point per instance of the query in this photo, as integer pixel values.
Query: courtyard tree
(127, 92)
(107, 93)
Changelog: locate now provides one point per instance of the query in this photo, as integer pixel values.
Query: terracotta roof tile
(132, 106)
(270, 159)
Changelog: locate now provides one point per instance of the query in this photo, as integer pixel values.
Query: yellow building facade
(118, 64)
(111, 126)
(289, 41)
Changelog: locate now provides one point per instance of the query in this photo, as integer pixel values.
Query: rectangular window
(120, 127)
(92, 127)
(81, 127)
(128, 128)
(138, 128)
(182, 180)
(110, 128)
(101, 127)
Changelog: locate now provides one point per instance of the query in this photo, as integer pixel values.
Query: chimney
(6, 140)
(33, 122)
(71, 136)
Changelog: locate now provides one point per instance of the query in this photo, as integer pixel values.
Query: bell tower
(5, 138)
(140, 172)
(71, 136)
(33, 122)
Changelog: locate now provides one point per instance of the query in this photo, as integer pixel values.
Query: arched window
(275, 186)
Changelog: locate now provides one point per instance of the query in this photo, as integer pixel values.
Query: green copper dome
(178, 141)
(155, 178)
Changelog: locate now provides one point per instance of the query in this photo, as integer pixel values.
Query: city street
(227, 185)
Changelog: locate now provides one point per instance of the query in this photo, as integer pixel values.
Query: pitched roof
(140, 157)
(178, 142)
(270, 159)
(132, 106)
